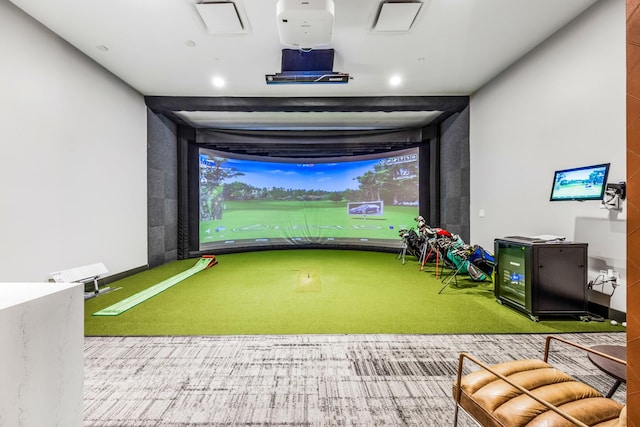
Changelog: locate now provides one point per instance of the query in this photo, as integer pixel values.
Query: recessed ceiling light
(218, 81)
(395, 80)
(102, 48)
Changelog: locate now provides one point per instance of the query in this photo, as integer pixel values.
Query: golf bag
(471, 260)
(458, 259)
(474, 261)
(475, 273)
(413, 241)
(482, 259)
(453, 249)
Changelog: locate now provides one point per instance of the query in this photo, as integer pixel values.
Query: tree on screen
(212, 176)
(393, 184)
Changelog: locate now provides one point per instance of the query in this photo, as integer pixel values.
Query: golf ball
(391, 227)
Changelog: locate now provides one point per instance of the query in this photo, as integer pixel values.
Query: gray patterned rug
(300, 380)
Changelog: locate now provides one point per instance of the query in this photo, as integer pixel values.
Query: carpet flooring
(301, 380)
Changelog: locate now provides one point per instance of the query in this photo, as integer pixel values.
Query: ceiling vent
(221, 17)
(396, 16)
(305, 24)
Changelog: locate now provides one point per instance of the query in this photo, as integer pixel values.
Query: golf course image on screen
(583, 183)
(247, 201)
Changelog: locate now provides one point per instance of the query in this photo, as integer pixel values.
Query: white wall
(561, 106)
(73, 164)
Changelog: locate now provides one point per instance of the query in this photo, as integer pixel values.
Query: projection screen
(257, 202)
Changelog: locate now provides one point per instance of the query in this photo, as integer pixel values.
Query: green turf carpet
(314, 292)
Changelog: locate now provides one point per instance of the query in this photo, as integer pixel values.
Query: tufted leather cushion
(494, 402)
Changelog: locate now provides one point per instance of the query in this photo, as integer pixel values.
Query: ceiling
(164, 50)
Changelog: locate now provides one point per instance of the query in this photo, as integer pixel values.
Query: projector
(305, 24)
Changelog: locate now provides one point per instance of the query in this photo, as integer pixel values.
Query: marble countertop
(12, 294)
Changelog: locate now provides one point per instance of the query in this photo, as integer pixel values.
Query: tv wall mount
(613, 196)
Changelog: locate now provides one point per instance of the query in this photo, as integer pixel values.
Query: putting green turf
(130, 302)
(314, 292)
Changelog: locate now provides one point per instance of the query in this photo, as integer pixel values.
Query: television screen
(256, 201)
(583, 183)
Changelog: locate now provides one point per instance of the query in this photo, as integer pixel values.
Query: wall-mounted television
(250, 201)
(583, 183)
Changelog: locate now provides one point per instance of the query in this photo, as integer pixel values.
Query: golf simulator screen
(254, 201)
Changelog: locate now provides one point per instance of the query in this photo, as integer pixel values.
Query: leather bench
(532, 393)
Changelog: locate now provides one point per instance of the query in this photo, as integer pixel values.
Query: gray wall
(454, 175)
(162, 184)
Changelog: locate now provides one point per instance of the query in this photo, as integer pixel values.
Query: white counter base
(41, 354)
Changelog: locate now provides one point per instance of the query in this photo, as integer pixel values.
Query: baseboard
(598, 309)
(606, 312)
(619, 316)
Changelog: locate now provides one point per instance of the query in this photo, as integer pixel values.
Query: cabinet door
(561, 280)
